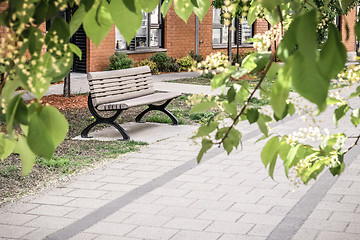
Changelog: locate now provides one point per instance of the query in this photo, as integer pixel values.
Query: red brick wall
(97, 58)
(350, 19)
(179, 36)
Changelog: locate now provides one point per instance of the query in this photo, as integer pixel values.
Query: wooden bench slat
(99, 87)
(139, 101)
(118, 73)
(119, 79)
(122, 97)
(126, 90)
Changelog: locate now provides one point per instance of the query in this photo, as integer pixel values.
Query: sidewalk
(161, 193)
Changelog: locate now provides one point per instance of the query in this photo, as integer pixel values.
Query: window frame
(149, 26)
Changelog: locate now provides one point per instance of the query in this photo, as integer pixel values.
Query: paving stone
(250, 208)
(144, 174)
(218, 173)
(262, 230)
(85, 193)
(228, 227)
(15, 218)
(353, 228)
(116, 179)
(109, 237)
(198, 186)
(50, 222)
(82, 236)
(147, 198)
(279, 210)
(59, 191)
(249, 176)
(345, 217)
(142, 167)
(191, 235)
(118, 217)
(308, 234)
(240, 237)
(175, 201)
(326, 235)
(79, 213)
(212, 205)
(351, 199)
(193, 179)
(241, 198)
(268, 192)
(332, 197)
(147, 220)
(341, 207)
(87, 203)
(85, 184)
(89, 177)
(260, 218)
(112, 172)
(233, 189)
(19, 207)
(40, 233)
(188, 224)
(277, 201)
(205, 195)
(322, 224)
(163, 163)
(180, 212)
(143, 208)
(321, 214)
(111, 195)
(140, 181)
(225, 181)
(51, 210)
(117, 229)
(230, 216)
(12, 231)
(52, 200)
(144, 232)
(170, 192)
(117, 187)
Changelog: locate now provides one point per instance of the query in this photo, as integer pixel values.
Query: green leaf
(332, 101)
(47, 129)
(333, 55)
(356, 93)
(35, 45)
(88, 4)
(270, 151)
(306, 35)
(195, 3)
(202, 9)
(252, 115)
(202, 107)
(232, 140)
(231, 94)
(340, 167)
(255, 62)
(183, 9)
(218, 80)
(77, 19)
(205, 130)
(340, 112)
(11, 112)
(308, 81)
(26, 155)
(6, 146)
(355, 117)
(280, 91)
(61, 28)
(98, 30)
(206, 145)
(230, 109)
(291, 109)
(262, 124)
(166, 6)
(148, 5)
(75, 49)
(288, 44)
(273, 70)
(270, 5)
(252, 14)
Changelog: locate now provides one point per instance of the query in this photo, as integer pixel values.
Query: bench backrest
(117, 85)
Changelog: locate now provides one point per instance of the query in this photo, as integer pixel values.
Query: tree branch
(354, 144)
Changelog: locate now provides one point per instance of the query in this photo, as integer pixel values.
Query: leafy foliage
(186, 63)
(165, 63)
(119, 60)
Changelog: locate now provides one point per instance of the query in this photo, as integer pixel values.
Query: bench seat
(139, 101)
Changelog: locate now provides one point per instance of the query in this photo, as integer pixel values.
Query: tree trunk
(66, 91)
(229, 43)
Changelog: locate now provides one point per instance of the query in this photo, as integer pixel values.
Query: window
(150, 34)
(220, 31)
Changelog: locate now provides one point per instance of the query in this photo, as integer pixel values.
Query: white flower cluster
(351, 75)
(305, 134)
(215, 61)
(265, 39)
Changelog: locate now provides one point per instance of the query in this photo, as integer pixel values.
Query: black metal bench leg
(160, 108)
(99, 119)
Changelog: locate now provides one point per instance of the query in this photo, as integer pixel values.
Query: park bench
(120, 90)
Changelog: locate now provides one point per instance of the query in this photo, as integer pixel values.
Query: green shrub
(186, 63)
(119, 60)
(165, 63)
(241, 56)
(149, 63)
(196, 57)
